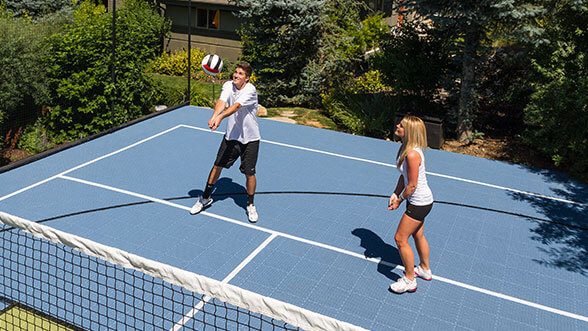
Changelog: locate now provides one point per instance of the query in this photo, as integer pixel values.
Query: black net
(50, 286)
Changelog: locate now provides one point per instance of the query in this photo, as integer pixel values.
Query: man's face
(240, 78)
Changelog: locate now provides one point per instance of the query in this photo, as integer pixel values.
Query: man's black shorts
(230, 150)
(417, 212)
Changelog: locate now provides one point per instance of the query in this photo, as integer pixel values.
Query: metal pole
(112, 62)
(189, 49)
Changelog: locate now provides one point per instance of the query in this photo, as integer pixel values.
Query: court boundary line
(226, 280)
(87, 163)
(496, 294)
(290, 146)
(333, 248)
(504, 188)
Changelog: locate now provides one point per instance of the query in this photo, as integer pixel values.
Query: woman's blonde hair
(415, 136)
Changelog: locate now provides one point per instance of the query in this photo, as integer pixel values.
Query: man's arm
(215, 121)
(218, 108)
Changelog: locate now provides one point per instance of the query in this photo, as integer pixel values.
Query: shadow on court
(375, 247)
(226, 188)
(565, 246)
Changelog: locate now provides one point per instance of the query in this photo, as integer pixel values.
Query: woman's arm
(412, 162)
(393, 204)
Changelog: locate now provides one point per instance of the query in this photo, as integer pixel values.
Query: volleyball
(212, 64)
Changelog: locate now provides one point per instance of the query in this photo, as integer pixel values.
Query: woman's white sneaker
(404, 285)
(422, 273)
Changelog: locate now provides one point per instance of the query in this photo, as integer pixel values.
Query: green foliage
(79, 63)
(278, 39)
(22, 77)
(301, 49)
(37, 8)
(473, 24)
(415, 62)
(198, 99)
(176, 64)
(557, 114)
(369, 82)
(369, 114)
(35, 138)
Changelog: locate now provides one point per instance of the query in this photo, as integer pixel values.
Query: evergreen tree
(300, 48)
(472, 23)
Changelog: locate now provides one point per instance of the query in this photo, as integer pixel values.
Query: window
(208, 18)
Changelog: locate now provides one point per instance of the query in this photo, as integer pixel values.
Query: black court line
(315, 193)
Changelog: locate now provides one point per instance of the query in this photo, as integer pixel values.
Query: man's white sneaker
(200, 204)
(404, 285)
(422, 273)
(252, 214)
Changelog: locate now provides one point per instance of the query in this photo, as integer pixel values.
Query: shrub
(369, 114)
(35, 138)
(79, 63)
(369, 82)
(197, 99)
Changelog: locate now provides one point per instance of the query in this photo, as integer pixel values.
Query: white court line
(336, 249)
(394, 166)
(227, 279)
(87, 163)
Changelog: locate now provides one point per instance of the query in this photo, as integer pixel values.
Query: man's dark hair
(246, 67)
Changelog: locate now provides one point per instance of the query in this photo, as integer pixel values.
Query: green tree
(415, 61)
(557, 114)
(79, 65)
(301, 48)
(278, 38)
(37, 8)
(474, 24)
(23, 83)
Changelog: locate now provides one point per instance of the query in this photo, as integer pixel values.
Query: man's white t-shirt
(241, 125)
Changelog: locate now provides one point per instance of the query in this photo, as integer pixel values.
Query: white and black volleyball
(212, 64)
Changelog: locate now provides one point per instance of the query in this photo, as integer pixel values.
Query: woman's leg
(422, 246)
(407, 227)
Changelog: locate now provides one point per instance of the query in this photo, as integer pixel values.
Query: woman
(412, 186)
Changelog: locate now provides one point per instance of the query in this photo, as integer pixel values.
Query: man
(241, 138)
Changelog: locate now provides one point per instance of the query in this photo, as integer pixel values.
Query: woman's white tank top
(423, 195)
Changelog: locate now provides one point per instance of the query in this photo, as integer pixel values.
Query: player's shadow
(226, 188)
(375, 247)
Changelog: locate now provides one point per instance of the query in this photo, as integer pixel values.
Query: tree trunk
(465, 112)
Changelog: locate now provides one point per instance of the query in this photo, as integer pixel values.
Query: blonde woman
(412, 186)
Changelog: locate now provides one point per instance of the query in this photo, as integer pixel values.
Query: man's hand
(215, 122)
(211, 121)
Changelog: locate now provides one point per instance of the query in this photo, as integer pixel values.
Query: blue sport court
(509, 243)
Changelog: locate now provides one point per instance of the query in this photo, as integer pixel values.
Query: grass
(303, 116)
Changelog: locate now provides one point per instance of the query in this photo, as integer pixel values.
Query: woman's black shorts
(230, 150)
(417, 212)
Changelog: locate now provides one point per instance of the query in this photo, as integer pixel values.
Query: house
(214, 25)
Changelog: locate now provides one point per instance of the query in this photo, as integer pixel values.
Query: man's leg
(251, 183)
(212, 178)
